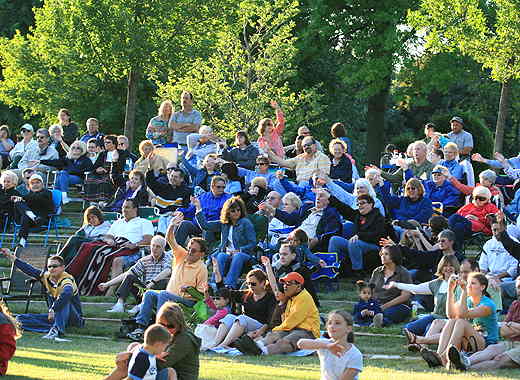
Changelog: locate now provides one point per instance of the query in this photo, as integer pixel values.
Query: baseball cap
(27, 170)
(27, 127)
(438, 169)
(36, 176)
(293, 276)
(458, 119)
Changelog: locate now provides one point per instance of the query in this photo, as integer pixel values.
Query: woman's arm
(451, 306)
(270, 274)
(423, 288)
(404, 297)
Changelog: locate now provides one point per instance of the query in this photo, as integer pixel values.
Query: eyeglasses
(479, 198)
(219, 186)
(53, 266)
(121, 143)
(307, 145)
(41, 137)
(262, 163)
(272, 198)
(25, 130)
(362, 203)
(411, 188)
(251, 283)
(170, 169)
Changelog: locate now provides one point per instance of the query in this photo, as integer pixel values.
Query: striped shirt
(147, 268)
(304, 166)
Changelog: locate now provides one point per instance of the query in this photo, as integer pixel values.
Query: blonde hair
(144, 143)
(260, 182)
(451, 145)
(82, 146)
(340, 142)
(262, 127)
(162, 106)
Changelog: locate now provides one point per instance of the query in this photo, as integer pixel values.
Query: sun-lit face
(63, 117)
(456, 127)
(337, 327)
(286, 257)
(361, 189)
(218, 187)
(448, 270)
(93, 220)
(365, 294)
(156, 249)
(195, 252)
(35, 185)
(419, 152)
(134, 182)
(438, 178)
(338, 151)
(485, 182)
(8, 182)
(55, 268)
(474, 287)
(445, 243)
(92, 147)
(147, 149)
(450, 153)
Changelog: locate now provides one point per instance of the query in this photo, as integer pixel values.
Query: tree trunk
(131, 105)
(376, 124)
(503, 111)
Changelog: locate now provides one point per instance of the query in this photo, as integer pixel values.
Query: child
(9, 332)
(219, 304)
(339, 358)
(143, 363)
(367, 311)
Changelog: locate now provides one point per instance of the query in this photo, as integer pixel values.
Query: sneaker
(136, 335)
(247, 346)
(52, 334)
(431, 358)
(378, 320)
(22, 243)
(136, 309)
(458, 359)
(117, 308)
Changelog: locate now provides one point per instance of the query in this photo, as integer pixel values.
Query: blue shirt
(454, 167)
(193, 117)
(488, 325)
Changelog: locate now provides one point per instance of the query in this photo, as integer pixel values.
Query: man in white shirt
(495, 260)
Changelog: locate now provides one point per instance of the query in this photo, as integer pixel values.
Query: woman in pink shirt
(270, 134)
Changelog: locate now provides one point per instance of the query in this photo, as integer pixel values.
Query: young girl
(270, 134)
(339, 358)
(367, 311)
(220, 304)
(9, 332)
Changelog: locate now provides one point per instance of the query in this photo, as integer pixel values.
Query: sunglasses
(411, 188)
(121, 143)
(169, 169)
(25, 130)
(262, 163)
(53, 266)
(272, 198)
(250, 283)
(362, 203)
(307, 145)
(41, 137)
(479, 198)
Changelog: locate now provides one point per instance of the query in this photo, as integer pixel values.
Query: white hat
(27, 127)
(36, 176)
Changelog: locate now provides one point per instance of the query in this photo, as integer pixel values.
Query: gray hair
(447, 234)
(293, 199)
(44, 132)
(7, 174)
(54, 127)
(159, 240)
(489, 175)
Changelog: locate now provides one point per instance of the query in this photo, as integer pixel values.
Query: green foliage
(252, 64)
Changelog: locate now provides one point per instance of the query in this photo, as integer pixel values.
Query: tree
(82, 46)
(252, 64)
(487, 31)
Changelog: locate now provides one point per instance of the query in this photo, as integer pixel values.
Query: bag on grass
(207, 334)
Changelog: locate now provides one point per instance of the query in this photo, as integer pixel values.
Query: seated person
(420, 167)
(94, 148)
(341, 166)
(244, 153)
(286, 264)
(472, 218)
(94, 228)
(438, 189)
(8, 182)
(451, 153)
(369, 226)
(395, 303)
(188, 271)
(6, 145)
(261, 169)
(235, 184)
(200, 145)
(23, 187)
(33, 209)
(289, 205)
(25, 143)
(237, 238)
(201, 177)
(92, 125)
(123, 144)
(149, 160)
(134, 188)
(36, 153)
(300, 320)
(57, 141)
(413, 206)
(255, 195)
(62, 298)
(487, 178)
(9, 333)
(211, 203)
(150, 272)
(72, 168)
(93, 263)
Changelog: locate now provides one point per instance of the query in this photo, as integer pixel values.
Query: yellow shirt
(301, 313)
(56, 287)
(305, 167)
(186, 274)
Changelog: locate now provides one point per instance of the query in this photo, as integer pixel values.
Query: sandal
(470, 344)
(410, 337)
(416, 347)
(431, 358)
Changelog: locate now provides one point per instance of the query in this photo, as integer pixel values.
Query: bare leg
(434, 332)
(487, 354)
(510, 330)
(446, 335)
(461, 328)
(280, 347)
(172, 375)
(117, 269)
(236, 331)
(221, 334)
(501, 361)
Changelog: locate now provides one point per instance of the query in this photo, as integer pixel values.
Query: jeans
(420, 326)
(64, 180)
(349, 230)
(157, 298)
(185, 230)
(231, 266)
(355, 250)
(396, 314)
(20, 209)
(67, 316)
(462, 229)
(508, 294)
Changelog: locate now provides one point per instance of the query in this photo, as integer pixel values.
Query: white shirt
(133, 230)
(332, 367)
(495, 259)
(310, 224)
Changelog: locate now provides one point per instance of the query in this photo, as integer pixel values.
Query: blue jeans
(64, 180)
(155, 299)
(421, 325)
(67, 316)
(462, 229)
(349, 230)
(396, 314)
(355, 250)
(231, 266)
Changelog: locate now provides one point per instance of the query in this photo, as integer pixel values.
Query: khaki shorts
(292, 336)
(514, 355)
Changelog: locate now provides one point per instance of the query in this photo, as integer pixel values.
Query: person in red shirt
(9, 332)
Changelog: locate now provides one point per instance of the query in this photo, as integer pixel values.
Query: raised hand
(385, 242)
(265, 261)
(477, 157)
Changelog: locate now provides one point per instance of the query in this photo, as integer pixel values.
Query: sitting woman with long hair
(9, 333)
(472, 323)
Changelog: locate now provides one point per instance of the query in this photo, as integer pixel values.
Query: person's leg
(126, 286)
(238, 261)
(149, 302)
(165, 296)
(500, 361)
(185, 230)
(419, 326)
(461, 328)
(396, 314)
(117, 269)
(356, 250)
(349, 230)
(288, 342)
(339, 245)
(61, 318)
(223, 329)
(461, 227)
(234, 333)
(487, 354)
(446, 335)
(434, 332)
(510, 330)
(508, 291)
(223, 260)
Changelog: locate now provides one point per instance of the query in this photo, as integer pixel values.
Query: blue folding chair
(53, 219)
(328, 275)
(5, 225)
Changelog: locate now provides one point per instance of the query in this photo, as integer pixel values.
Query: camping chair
(111, 216)
(148, 213)
(438, 208)
(5, 225)
(20, 287)
(261, 225)
(327, 275)
(52, 223)
(478, 239)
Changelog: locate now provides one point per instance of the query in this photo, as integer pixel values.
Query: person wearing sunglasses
(270, 134)
(261, 169)
(43, 151)
(471, 218)
(62, 297)
(23, 187)
(26, 143)
(244, 153)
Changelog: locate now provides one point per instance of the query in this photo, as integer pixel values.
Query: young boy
(143, 363)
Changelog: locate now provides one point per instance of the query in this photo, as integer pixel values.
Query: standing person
(70, 129)
(185, 121)
(157, 129)
(6, 145)
(459, 136)
(92, 125)
(420, 167)
(9, 333)
(56, 132)
(451, 161)
(337, 131)
(62, 298)
(26, 143)
(270, 135)
(339, 358)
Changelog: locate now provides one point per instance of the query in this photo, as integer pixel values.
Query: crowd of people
(270, 210)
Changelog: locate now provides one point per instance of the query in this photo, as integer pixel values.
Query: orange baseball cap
(293, 276)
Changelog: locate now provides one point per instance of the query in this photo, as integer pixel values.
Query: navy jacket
(76, 167)
(329, 224)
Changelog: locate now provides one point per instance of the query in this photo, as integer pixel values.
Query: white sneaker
(117, 308)
(52, 334)
(377, 321)
(64, 198)
(136, 309)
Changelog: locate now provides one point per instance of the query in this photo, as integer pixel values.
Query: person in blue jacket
(413, 206)
(201, 177)
(367, 308)
(237, 237)
(439, 189)
(62, 297)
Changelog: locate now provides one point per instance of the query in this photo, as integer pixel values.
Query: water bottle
(414, 310)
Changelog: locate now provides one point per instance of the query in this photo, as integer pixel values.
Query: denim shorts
(246, 322)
